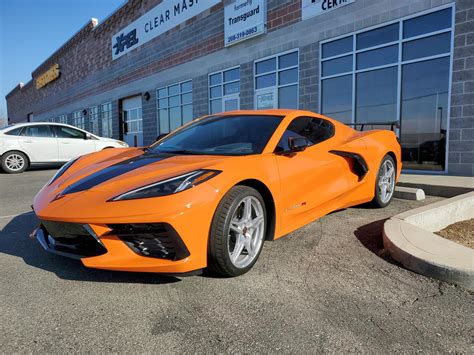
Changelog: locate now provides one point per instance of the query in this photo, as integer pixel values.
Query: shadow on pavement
(15, 240)
(371, 237)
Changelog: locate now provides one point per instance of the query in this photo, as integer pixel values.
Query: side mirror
(297, 144)
(162, 135)
(88, 136)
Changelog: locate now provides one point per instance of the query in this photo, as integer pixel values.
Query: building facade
(153, 65)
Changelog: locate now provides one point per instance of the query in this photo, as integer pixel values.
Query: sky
(31, 30)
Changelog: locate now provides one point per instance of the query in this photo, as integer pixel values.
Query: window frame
(168, 107)
(275, 88)
(223, 97)
(399, 64)
(77, 115)
(109, 119)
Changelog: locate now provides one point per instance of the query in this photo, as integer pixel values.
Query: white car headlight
(123, 144)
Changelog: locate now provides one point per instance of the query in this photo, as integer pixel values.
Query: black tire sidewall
(219, 258)
(7, 170)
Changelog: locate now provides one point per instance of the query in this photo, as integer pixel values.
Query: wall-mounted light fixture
(84, 112)
(146, 96)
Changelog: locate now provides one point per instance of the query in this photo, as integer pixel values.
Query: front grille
(156, 240)
(71, 238)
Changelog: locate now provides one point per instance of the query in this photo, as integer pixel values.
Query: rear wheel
(385, 182)
(237, 232)
(14, 162)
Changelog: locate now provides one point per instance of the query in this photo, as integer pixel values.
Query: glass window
(378, 36)
(427, 46)
(265, 81)
(414, 93)
(78, 119)
(337, 47)
(337, 66)
(288, 60)
(266, 66)
(336, 98)
(174, 106)
(106, 117)
(217, 135)
(94, 119)
(42, 131)
(280, 88)
(377, 57)
(376, 95)
(435, 21)
(315, 130)
(215, 79)
(232, 75)
(424, 112)
(14, 132)
(220, 90)
(288, 97)
(68, 132)
(187, 86)
(288, 76)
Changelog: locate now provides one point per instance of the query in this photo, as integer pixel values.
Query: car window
(68, 132)
(315, 130)
(42, 131)
(14, 132)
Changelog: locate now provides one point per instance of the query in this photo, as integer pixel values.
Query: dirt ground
(460, 232)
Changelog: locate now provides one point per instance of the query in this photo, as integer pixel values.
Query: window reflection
(336, 98)
(424, 114)
(376, 96)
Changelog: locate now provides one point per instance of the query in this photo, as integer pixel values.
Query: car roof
(271, 112)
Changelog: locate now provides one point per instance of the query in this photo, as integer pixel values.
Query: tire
(231, 229)
(385, 178)
(14, 162)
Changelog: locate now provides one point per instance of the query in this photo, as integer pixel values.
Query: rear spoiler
(392, 124)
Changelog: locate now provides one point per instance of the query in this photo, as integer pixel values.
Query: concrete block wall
(461, 132)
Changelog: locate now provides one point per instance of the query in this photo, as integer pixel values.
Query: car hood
(113, 172)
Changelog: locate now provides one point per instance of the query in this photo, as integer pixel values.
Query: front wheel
(14, 162)
(385, 182)
(237, 232)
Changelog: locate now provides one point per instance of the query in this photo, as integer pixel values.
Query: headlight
(123, 144)
(62, 170)
(169, 186)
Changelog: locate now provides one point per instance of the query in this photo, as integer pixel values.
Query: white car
(26, 144)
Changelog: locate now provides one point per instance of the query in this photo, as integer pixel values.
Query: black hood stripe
(113, 171)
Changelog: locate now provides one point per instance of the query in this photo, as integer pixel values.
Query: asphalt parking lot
(327, 287)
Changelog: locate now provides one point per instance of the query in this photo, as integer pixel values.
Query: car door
(39, 142)
(73, 142)
(312, 178)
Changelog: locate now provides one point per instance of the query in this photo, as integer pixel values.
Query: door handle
(65, 143)
(27, 141)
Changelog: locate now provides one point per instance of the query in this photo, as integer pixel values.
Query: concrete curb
(410, 240)
(409, 193)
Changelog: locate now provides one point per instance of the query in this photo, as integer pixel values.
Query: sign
(50, 75)
(265, 101)
(163, 17)
(244, 19)
(312, 8)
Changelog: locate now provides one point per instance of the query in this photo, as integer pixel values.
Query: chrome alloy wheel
(246, 232)
(386, 185)
(15, 162)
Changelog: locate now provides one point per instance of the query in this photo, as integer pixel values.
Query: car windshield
(222, 135)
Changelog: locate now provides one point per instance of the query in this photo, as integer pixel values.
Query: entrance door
(132, 121)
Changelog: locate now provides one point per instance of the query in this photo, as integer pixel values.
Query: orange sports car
(210, 193)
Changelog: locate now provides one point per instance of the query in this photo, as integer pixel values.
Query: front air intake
(155, 240)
